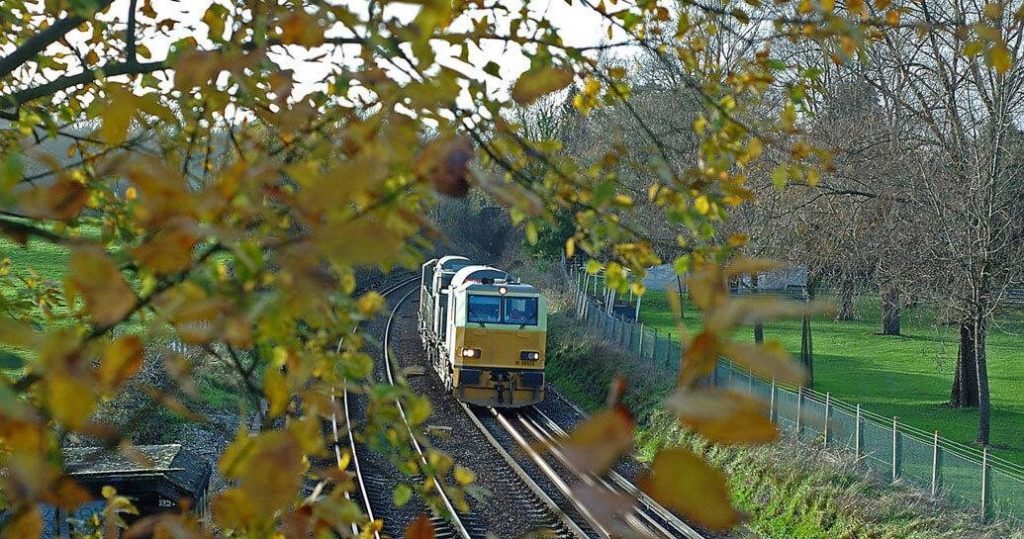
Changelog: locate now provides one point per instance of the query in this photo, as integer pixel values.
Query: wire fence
(893, 450)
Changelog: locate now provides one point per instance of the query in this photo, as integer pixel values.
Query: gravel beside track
(507, 508)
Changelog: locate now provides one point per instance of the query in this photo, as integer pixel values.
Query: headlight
(470, 352)
(529, 356)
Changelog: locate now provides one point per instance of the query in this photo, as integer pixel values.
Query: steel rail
(528, 481)
(354, 454)
(682, 528)
(455, 521)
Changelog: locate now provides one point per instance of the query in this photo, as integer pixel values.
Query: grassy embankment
(787, 492)
(908, 376)
(217, 384)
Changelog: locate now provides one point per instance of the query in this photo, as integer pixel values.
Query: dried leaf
(700, 358)
(751, 266)
(723, 415)
(769, 360)
(683, 482)
(63, 200)
(26, 522)
(751, 309)
(168, 251)
(108, 299)
(122, 358)
(539, 82)
(597, 443)
(421, 528)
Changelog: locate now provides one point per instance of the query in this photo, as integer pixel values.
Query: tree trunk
(758, 325)
(981, 361)
(965, 379)
(846, 310)
(890, 311)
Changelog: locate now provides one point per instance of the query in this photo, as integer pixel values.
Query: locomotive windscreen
(521, 311)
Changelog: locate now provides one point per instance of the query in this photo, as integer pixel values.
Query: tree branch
(40, 41)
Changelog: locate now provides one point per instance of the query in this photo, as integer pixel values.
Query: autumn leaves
(679, 479)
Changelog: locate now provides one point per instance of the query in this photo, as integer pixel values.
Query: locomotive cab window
(483, 309)
(520, 311)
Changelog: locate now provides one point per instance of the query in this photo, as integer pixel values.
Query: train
(484, 332)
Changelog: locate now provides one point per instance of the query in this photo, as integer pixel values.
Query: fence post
(750, 381)
(640, 351)
(856, 436)
(771, 403)
(984, 483)
(654, 351)
(799, 409)
(935, 465)
(895, 436)
(828, 403)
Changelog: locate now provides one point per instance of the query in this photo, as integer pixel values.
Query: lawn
(908, 376)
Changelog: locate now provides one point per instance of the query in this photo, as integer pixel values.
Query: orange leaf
(168, 251)
(723, 415)
(750, 266)
(108, 299)
(27, 522)
(121, 360)
(683, 482)
(61, 200)
(421, 528)
(700, 358)
(595, 445)
(538, 82)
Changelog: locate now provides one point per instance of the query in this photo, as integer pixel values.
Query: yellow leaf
(993, 10)
(108, 299)
(275, 387)
(71, 399)
(769, 360)
(370, 303)
(597, 443)
(121, 359)
(570, 247)
(723, 415)
(999, 58)
(215, 18)
(464, 476)
(539, 82)
(117, 115)
(702, 205)
(681, 481)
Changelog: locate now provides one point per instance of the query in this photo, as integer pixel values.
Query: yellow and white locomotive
(484, 332)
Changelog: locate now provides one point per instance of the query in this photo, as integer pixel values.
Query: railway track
(517, 434)
(372, 491)
(543, 480)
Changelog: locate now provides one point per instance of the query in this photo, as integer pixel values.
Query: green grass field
(909, 376)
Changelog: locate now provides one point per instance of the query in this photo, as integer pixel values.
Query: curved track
(545, 478)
